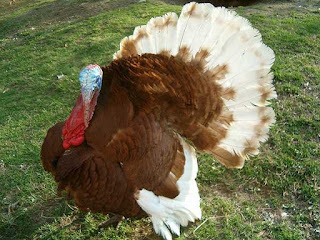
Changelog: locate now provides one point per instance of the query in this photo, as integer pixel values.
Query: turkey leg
(114, 221)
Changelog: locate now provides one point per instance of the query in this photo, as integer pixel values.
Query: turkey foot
(113, 221)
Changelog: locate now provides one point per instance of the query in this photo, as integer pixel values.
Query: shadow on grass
(225, 3)
(55, 219)
(58, 12)
(23, 224)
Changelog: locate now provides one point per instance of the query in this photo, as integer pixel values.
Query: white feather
(231, 41)
(170, 33)
(171, 213)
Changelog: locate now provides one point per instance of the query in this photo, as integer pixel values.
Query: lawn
(44, 44)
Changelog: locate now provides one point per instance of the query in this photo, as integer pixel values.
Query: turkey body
(129, 144)
(204, 77)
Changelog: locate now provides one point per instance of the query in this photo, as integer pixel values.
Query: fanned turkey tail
(231, 116)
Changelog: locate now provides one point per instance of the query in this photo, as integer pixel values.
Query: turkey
(202, 78)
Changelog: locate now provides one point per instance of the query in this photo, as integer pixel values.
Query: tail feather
(229, 52)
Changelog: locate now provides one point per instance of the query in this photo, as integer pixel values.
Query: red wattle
(66, 145)
(73, 130)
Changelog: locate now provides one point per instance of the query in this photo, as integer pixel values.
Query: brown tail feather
(209, 74)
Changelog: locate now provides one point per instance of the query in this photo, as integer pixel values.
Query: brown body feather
(131, 142)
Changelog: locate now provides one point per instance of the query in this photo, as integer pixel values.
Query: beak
(87, 95)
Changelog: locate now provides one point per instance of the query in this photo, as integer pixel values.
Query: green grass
(275, 196)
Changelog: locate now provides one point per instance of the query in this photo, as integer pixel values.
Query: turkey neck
(113, 112)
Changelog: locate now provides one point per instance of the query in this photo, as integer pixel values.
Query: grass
(275, 196)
